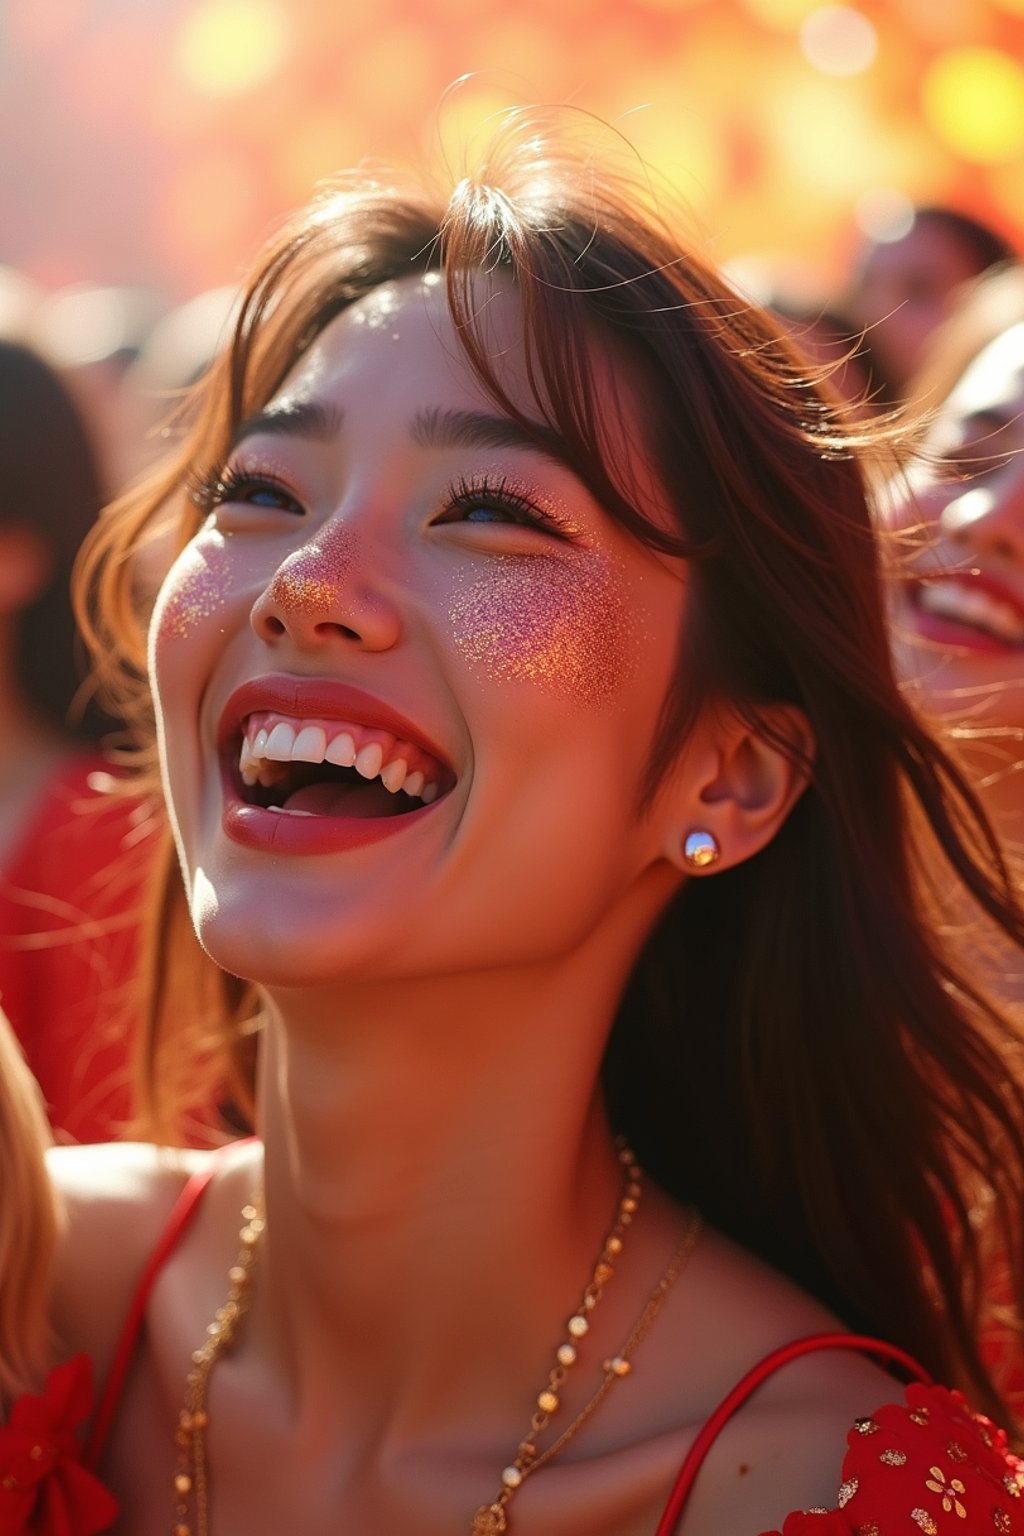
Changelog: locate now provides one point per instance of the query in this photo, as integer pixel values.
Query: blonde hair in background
(28, 1223)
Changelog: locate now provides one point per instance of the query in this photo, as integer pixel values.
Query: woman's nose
(318, 595)
(989, 518)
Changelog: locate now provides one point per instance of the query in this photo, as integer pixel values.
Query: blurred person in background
(902, 289)
(70, 856)
(959, 609)
(93, 334)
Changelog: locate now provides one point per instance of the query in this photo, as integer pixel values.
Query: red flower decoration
(44, 1489)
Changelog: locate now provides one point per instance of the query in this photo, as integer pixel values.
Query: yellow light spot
(786, 15)
(973, 98)
(228, 47)
(1015, 7)
(825, 134)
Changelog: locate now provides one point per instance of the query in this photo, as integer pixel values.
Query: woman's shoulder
(834, 1447)
(118, 1199)
(830, 1434)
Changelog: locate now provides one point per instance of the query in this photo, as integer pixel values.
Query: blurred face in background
(904, 290)
(959, 614)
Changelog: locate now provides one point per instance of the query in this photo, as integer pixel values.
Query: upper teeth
(270, 741)
(974, 606)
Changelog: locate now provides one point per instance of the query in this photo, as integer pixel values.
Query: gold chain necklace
(191, 1492)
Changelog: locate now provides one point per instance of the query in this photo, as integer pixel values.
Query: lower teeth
(284, 810)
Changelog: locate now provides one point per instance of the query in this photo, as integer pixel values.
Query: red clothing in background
(69, 899)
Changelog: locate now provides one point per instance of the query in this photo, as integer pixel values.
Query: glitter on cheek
(196, 588)
(560, 623)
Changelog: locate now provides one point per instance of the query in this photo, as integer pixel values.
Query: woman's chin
(271, 944)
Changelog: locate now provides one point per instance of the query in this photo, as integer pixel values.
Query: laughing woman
(532, 753)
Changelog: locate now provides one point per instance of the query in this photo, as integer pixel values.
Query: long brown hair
(841, 1100)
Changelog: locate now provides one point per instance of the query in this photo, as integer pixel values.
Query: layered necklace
(191, 1488)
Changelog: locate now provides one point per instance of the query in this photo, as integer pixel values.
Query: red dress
(923, 1464)
(69, 895)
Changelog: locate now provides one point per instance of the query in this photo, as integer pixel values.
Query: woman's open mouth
(967, 610)
(333, 768)
(311, 783)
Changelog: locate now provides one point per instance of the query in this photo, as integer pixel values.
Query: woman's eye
(238, 487)
(484, 512)
(496, 502)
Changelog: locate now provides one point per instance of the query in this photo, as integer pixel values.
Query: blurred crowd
(925, 335)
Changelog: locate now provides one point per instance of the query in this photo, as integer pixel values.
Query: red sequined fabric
(926, 1465)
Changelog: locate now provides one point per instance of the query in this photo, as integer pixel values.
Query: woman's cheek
(195, 589)
(562, 624)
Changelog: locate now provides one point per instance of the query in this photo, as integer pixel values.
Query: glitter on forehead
(376, 309)
(561, 624)
(196, 588)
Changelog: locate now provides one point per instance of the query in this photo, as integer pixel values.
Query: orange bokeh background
(155, 141)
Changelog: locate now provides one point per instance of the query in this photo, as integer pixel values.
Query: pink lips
(947, 631)
(271, 831)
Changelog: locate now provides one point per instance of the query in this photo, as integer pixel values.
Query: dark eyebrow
(292, 418)
(436, 428)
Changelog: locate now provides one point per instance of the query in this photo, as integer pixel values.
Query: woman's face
(905, 291)
(960, 613)
(408, 672)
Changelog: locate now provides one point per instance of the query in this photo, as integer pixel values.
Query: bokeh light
(974, 100)
(158, 140)
(786, 15)
(227, 47)
(884, 214)
(826, 136)
(838, 40)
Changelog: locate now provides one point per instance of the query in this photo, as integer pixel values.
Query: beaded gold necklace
(191, 1492)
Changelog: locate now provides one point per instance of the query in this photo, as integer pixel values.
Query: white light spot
(884, 214)
(838, 40)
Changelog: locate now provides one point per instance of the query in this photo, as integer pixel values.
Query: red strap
(745, 1389)
(178, 1223)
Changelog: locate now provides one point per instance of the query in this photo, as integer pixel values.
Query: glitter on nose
(310, 580)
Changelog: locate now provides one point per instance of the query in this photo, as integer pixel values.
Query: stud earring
(701, 849)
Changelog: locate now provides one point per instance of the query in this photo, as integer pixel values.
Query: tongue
(362, 801)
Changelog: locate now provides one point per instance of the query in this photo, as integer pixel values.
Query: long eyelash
(501, 493)
(202, 487)
(209, 489)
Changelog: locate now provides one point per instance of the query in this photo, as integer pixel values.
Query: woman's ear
(749, 776)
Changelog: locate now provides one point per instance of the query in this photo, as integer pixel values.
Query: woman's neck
(439, 1181)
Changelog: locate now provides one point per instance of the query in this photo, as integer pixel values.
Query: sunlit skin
(448, 615)
(958, 612)
(438, 1169)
